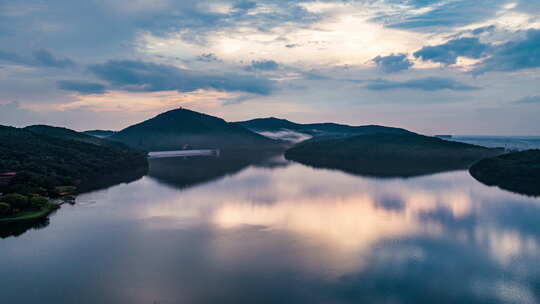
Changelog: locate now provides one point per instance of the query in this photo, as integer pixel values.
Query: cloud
(507, 57)
(424, 84)
(448, 52)
(12, 114)
(483, 29)
(313, 75)
(245, 5)
(12, 58)
(264, 65)
(393, 63)
(150, 77)
(427, 14)
(513, 56)
(208, 57)
(528, 6)
(287, 135)
(41, 58)
(46, 59)
(236, 99)
(529, 100)
(81, 87)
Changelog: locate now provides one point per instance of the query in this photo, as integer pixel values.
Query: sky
(431, 66)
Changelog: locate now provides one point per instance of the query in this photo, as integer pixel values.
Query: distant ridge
(270, 125)
(68, 134)
(185, 129)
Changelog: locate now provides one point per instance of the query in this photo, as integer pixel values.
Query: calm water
(280, 232)
(508, 142)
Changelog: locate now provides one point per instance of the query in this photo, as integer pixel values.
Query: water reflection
(185, 172)
(276, 232)
(15, 229)
(388, 168)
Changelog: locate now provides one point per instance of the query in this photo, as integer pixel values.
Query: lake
(275, 231)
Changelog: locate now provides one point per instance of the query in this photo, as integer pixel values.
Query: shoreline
(32, 215)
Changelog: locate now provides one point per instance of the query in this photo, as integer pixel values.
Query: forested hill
(389, 154)
(68, 134)
(61, 157)
(181, 128)
(517, 172)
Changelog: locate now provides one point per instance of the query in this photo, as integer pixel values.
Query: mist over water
(279, 232)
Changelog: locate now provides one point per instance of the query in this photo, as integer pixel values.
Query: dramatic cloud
(150, 77)
(449, 52)
(425, 84)
(393, 63)
(41, 58)
(507, 57)
(296, 57)
(513, 56)
(82, 87)
(264, 65)
(529, 100)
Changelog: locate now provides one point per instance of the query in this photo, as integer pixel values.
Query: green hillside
(46, 165)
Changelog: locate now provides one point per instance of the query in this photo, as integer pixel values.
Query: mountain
(295, 132)
(100, 133)
(50, 157)
(181, 128)
(517, 172)
(389, 155)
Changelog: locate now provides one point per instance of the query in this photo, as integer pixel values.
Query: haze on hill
(295, 132)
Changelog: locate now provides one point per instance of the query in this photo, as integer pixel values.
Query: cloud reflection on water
(285, 231)
(349, 216)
